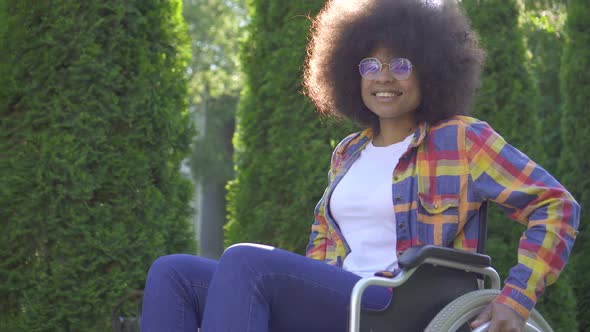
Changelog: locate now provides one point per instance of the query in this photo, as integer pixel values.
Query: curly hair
(438, 40)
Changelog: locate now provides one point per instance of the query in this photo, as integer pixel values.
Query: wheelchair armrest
(416, 256)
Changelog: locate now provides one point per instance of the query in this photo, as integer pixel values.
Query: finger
(484, 316)
(502, 325)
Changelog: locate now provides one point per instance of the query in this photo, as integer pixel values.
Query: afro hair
(437, 38)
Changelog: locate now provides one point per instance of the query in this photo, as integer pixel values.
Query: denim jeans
(253, 288)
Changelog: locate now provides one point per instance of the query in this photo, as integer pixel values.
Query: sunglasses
(400, 68)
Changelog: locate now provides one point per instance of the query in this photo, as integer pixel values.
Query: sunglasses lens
(401, 68)
(369, 68)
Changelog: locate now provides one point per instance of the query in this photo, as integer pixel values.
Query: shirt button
(401, 225)
(436, 206)
(398, 198)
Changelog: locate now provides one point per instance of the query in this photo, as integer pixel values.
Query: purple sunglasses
(400, 68)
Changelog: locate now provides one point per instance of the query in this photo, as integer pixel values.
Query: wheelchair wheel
(465, 308)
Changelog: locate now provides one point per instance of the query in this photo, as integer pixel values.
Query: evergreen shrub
(282, 148)
(574, 162)
(93, 127)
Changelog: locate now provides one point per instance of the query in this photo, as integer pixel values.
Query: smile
(387, 94)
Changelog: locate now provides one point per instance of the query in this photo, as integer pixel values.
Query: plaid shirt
(438, 187)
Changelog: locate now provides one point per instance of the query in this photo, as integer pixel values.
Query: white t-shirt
(362, 205)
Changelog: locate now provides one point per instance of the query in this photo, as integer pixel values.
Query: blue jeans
(253, 288)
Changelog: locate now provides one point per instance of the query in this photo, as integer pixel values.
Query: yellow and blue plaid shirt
(438, 187)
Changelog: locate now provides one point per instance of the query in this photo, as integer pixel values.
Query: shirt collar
(419, 135)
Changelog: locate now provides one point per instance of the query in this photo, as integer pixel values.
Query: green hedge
(282, 148)
(574, 162)
(543, 29)
(93, 129)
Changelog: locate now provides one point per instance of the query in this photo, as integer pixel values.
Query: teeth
(386, 94)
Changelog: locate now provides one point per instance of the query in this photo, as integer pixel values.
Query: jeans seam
(182, 301)
(180, 312)
(198, 285)
(248, 329)
(257, 281)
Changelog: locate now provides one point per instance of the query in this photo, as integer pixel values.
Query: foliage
(283, 149)
(216, 30)
(541, 5)
(509, 101)
(574, 163)
(93, 126)
(543, 29)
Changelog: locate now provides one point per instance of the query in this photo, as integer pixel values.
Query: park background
(138, 128)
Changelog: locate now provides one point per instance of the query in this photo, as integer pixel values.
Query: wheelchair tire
(466, 307)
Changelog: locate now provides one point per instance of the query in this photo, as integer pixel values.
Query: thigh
(306, 294)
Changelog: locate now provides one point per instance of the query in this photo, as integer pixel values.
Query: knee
(163, 267)
(245, 254)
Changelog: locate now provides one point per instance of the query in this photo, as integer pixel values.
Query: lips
(387, 94)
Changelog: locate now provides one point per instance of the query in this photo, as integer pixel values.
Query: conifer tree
(543, 23)
(282, 148)
(214, 87)
(574, 162)
(93, 126)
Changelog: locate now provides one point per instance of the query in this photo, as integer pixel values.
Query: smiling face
(387, 97)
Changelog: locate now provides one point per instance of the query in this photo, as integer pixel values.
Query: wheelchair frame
(535, 324)
(402, 277)
(454, 268)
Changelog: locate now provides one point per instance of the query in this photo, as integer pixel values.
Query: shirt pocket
(438, 218)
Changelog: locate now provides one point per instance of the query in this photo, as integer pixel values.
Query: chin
(389, 114)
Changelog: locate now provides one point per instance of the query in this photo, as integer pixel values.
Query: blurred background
(131, 129)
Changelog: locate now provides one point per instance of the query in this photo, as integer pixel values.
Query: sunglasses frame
(394, 62)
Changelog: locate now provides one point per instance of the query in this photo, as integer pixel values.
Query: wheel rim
(529, 327)
(465, 318)
(468, 306)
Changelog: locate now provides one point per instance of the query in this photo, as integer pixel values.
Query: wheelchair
(438, 290)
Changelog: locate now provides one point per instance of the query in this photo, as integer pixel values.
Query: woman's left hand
(502, 317)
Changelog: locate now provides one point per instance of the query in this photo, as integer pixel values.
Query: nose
(384, 75)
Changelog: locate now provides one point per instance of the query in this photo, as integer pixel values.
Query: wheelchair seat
(431, 287)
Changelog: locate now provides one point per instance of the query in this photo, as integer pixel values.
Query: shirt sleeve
(531, 196)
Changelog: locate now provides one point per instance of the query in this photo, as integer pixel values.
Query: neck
(392, 131)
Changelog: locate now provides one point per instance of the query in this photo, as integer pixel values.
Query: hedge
(93, 128)
(574, 163)
(282, 148)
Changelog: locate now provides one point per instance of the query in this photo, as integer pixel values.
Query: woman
(407, 70)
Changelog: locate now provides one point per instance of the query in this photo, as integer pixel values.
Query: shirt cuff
(516, 300)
